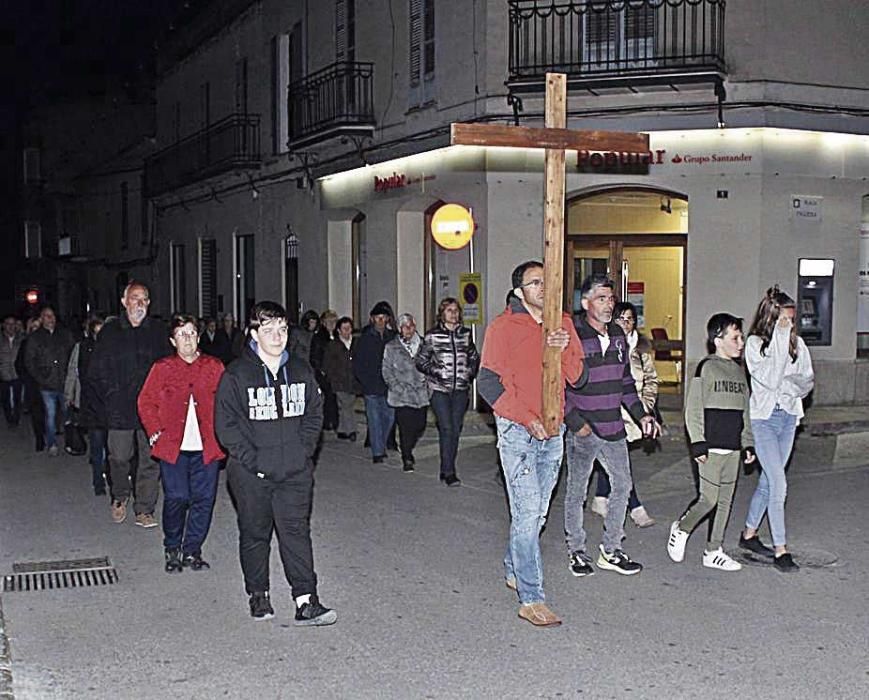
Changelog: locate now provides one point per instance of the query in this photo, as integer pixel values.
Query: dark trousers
(449, 409)
(411, 426)
(37, 413)
(10, 394)
(97, 438)
(122, 446)
(189, 489)
(285, 506)
(603, 488)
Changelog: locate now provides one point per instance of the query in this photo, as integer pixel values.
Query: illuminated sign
(452, 226)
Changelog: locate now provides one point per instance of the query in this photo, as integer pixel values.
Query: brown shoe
(146, 520)
(539, 615)
(119, 511)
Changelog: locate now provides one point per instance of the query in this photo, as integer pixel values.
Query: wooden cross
(556, 139)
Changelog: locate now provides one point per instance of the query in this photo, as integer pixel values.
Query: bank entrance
(639, 238)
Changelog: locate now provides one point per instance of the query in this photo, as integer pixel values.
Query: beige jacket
(646, 379)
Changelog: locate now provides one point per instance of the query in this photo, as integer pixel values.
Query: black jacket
(448, 359)
(270, 426)
(47, 356)
(118, 368)
(368, 360)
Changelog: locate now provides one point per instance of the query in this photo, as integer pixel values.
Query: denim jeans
(449, 409)
(380, 418)
(613, 457)
(531, 469)
(773, 442)
(55, 403)
(189, 489)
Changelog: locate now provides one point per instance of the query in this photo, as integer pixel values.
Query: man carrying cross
(511, 381)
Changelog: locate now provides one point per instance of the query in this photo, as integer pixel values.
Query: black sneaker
(312, 614)
(195, 561)
(451, 480)
(378, 459)
(260, 606)
(785, 562)
(352, 437)
(407, 465)
(174, 564)
(580, 564)
(618, 561)
(753, 544)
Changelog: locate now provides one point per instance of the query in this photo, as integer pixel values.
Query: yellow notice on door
(471, 298)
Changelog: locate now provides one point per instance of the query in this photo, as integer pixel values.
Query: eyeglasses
(537, 282)
(626, 319)
(187, 335)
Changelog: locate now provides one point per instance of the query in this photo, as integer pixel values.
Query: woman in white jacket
(781, 377)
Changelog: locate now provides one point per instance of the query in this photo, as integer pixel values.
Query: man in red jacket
(176, 406)
(511, 381)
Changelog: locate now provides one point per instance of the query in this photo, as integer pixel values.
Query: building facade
(302, 149)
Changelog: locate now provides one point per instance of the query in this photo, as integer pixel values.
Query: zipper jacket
(448, 359)
(269, 424)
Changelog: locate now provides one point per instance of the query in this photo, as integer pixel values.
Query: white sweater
(775, 380)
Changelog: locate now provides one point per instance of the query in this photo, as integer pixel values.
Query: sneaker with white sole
(618, 561)
(119, 511)
(718, 559)
(599, 505)
(676, 542)
(146, 520)
(580, 564)
(641, 518)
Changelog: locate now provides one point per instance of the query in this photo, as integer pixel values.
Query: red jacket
(511, 374)
(164, 399)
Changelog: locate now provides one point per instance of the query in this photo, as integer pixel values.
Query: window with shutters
(421, 57)
(177, 272)
(618, 37)
(241, 86)
(345, 30)
(207, 278)
(32, 239)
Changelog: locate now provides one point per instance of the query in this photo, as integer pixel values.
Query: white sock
(302, 599)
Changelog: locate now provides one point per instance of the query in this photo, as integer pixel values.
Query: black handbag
(73, 439)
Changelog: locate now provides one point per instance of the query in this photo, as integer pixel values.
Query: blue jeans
(531, 469)
(189, 489)
(55, 403)
(449, 409)
(773, 442)
(380, 418)
(613, 457)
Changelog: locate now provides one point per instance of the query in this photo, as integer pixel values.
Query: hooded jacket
(511, 374)
(269, 425)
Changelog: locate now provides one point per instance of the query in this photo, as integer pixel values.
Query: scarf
(412, 345)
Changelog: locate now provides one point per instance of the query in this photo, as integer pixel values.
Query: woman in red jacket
(176, 406)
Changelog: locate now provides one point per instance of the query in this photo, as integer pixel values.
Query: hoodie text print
(263, 406)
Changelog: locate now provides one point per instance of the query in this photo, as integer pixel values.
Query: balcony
(335, 101)
(615, 43)
(231, 144)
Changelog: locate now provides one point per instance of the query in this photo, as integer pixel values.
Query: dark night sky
(51, 50)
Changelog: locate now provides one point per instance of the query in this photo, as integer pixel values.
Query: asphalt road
(414, 570)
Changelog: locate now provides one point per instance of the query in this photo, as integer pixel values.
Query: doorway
(638, 237)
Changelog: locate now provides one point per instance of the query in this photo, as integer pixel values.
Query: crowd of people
(171, 404)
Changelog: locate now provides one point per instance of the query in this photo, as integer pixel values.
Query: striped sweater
(610, 384)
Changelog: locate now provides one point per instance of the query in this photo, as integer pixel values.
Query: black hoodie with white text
(270, 425)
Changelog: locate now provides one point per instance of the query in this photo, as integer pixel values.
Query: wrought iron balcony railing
(607, 42)
(337, 100)
(232, 143)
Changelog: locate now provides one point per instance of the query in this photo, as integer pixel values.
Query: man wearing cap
(367, 366)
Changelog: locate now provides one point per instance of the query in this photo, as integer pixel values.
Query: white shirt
(192, 441)
(775, 379)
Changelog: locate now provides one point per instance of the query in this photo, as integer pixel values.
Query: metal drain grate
(51, 575)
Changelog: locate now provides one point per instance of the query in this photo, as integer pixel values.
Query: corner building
(304, 148)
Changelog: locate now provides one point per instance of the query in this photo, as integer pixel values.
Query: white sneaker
(599, 506)
(641, 518)
(719, 560)
(676, 542)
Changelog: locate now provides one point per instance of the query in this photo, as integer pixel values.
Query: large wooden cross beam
(556, 139)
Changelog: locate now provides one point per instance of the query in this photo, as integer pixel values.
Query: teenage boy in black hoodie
(268, 416)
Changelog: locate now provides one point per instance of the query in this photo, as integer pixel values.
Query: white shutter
(415, 53)
(340, 30)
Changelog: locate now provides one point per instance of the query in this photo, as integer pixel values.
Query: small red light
(32, 296)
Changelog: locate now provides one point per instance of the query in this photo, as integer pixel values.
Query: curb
(5, 661)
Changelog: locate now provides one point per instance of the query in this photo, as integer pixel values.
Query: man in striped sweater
(596, 431)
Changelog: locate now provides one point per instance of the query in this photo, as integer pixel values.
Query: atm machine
(815, 301)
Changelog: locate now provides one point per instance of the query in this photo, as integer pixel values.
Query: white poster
(806, 210)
